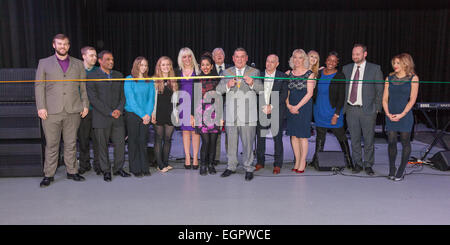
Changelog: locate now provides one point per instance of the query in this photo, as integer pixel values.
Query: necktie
(220, 70)
(239, 79)
(354, 92)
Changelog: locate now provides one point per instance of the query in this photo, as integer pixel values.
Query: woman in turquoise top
(140, 99)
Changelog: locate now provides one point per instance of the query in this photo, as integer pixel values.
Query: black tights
(392, 149)
(208, 150)
(163, 132)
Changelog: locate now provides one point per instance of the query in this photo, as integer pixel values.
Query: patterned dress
(203, 109)
(299, 125)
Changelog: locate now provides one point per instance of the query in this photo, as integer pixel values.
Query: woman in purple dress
(188, 67)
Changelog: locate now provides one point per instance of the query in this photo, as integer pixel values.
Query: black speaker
(330, 160)
(19, 121)
(23, 159)
(151, 156)
(441, 160)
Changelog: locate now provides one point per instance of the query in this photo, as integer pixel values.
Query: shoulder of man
(252, 70)
(94, 73)
(47, 59)
(229, 71)
(116, 74)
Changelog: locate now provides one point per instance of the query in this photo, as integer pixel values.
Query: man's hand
(42, 113)
(231, 83)
(84, 112)
(116, 114)
(248, 80)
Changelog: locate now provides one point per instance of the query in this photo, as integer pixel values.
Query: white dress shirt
(268, 85)
(359, 91)
(218, 67)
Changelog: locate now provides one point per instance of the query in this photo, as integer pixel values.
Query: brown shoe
(276, 170)
(258, 167)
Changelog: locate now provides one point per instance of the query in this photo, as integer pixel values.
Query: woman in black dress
(162, 116)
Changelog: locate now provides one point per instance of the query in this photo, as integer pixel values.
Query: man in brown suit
(60, 106)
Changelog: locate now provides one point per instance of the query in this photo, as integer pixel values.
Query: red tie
(354, 92)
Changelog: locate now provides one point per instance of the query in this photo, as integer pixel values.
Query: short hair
(187, 51)
(100, 55)
(364, 47)
(217, 50)
(240, 49)
(85, 49)
(278, 58)
(303, 55)
(60, 36)
(334, 53)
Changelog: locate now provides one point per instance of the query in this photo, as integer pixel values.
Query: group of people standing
(256, 104)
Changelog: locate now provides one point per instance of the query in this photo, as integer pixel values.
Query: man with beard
(60, 105)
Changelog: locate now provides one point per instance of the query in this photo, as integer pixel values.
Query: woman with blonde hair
(400, 94)
(164, 112)
(299, 105)
(188, 67)
(314, 62)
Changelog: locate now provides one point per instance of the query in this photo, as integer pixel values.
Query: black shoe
(138, 175)
(187, 166)
(122, 173)
(195, 167)
(227, 173)
(248, 176)
(107, 177)
(203, 170)
(212, 169)
(46, 181)
(98, 171)
(81, 171)
(369, 171)
(76, 177)
(216, 162)
(356, 169)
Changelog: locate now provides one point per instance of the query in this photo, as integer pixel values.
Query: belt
(354, 105)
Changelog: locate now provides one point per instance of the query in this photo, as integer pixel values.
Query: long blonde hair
(406, 62)
(159, 84)
(187, 51)
(315, 67)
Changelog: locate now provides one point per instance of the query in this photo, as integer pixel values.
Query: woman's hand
(153, 119)
(192, 121)
(334, 119)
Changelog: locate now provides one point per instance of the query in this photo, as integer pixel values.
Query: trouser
(261, 146)
(85, 133)
(358, 122)
(247, 135)
(117, 136)
(56, 124)
(137, 144)
(208, 149)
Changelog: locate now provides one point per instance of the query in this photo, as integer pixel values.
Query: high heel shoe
(294, 170)
(187, 166)
(299, 171)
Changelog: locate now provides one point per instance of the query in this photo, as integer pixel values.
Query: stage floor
(184, 197)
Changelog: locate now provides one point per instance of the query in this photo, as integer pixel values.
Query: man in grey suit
(108, 100)
(363, 102)
(60, 105)
(241, 115)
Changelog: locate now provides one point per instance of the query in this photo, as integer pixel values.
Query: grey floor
(184, 197)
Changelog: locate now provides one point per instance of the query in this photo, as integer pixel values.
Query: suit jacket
(58, 96)
(226, 67)
(279, 85)
(372, 92)
(237, 109)
(105, 97)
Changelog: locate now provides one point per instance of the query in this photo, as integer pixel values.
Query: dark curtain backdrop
(155, 28)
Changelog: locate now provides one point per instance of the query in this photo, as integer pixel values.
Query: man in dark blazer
(108, 100)
(269, 111)
(363, 102)
(59, 105)
(218, 56)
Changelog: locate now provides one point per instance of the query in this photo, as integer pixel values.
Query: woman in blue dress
(188, 67)
(140, 99)
(400, 94)
(299, 107)
(329, 99)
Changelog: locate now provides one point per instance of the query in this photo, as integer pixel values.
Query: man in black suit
(363, 102)
(218, 56)
(271, 113)
(108, 100)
